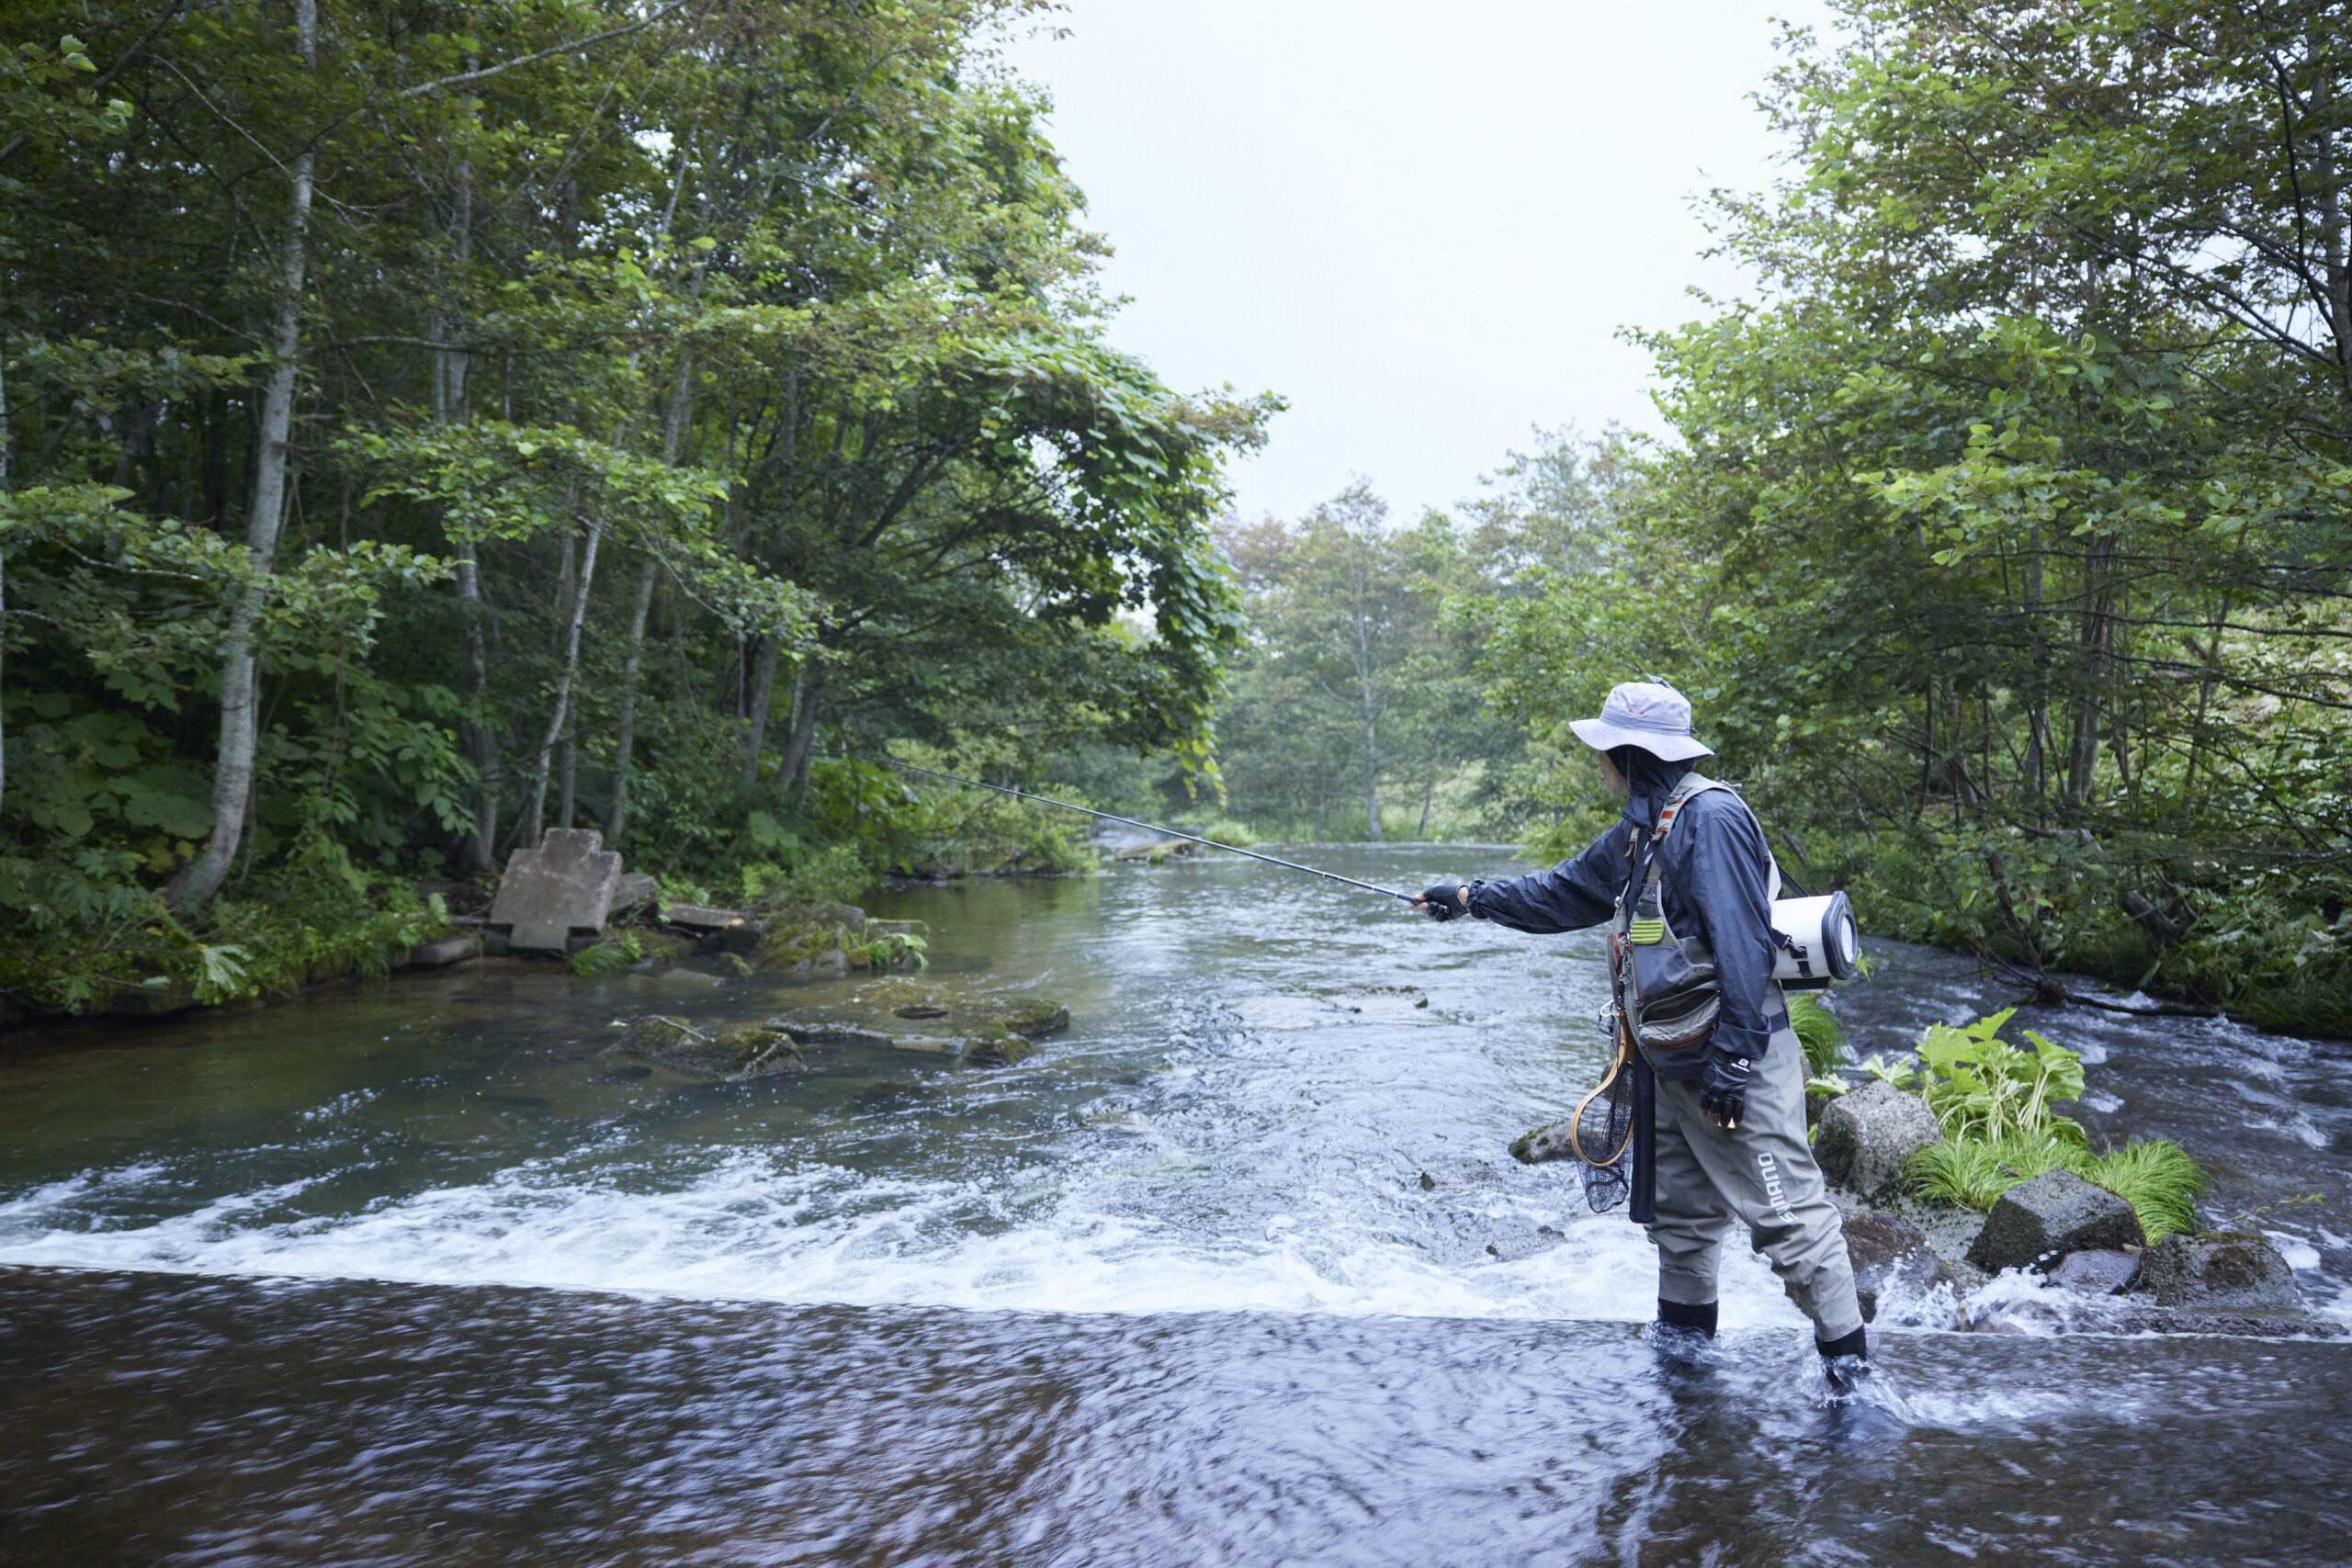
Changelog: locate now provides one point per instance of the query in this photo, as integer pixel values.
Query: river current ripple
(1235, 1272)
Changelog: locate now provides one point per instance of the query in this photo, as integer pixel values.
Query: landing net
(1601, 1134)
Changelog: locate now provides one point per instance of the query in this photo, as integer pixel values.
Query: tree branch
(572, 48)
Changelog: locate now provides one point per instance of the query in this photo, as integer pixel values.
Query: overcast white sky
(1422, 224)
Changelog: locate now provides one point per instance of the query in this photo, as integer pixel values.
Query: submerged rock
(752, 1051)
(995, 1048)
(1868, 1138)
(2221, 1270)
(2036, 1222)
(1543, 1144)
(1030, 1017)
(1888, 1253)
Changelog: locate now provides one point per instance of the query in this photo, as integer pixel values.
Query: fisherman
(1688, 873)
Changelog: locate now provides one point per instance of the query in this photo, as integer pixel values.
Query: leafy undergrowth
(98, 939)
(1997, 1104)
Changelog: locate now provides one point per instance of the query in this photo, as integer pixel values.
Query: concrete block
(555, 892)
(631, 888)
(695, 918)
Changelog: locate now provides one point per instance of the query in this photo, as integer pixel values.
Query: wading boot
(1845, 1361)
(1682, 1332)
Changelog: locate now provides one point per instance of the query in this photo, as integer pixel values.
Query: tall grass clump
(2157, 1177)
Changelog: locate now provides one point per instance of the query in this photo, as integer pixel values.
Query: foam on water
(753, 1227)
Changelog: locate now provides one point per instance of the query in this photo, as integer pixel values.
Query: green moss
(993, 1046)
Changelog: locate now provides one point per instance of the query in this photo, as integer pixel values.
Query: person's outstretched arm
(1571, 895)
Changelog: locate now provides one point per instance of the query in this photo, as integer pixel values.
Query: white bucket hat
(1639, 713)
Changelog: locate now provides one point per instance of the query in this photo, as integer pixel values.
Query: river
(1237, 1270)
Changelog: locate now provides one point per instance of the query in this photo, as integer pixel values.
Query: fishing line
(1152, 828)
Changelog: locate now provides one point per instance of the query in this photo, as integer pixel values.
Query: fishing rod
(1153, 827)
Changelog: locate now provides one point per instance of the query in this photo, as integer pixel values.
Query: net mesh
(1603, 1135)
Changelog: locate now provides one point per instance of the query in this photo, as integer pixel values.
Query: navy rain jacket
(1717, 881)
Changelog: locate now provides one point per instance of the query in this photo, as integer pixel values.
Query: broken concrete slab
(631, 888)
(442, 953)
(696, 918)
(555, 892)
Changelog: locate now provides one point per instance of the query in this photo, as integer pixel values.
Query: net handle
(1576, 1121)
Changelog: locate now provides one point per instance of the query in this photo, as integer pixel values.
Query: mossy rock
(667, 945)
(993, 1046)
(1031, 1018)
(801, 948)
(1543, 1144)
(889, 994)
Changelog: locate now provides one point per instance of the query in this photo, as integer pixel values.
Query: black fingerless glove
(1444, 903)
(1723, 1088)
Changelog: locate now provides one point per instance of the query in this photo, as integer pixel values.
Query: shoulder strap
(1694, 784)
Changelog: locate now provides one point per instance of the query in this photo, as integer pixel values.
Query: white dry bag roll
(1823, 941)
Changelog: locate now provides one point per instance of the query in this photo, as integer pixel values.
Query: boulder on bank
(1868, 1138)
(2220, 1271)
(1888, 1253)
(752, 1051)
(2037, 1221)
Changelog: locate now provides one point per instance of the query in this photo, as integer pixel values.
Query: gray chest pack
(1667, 992)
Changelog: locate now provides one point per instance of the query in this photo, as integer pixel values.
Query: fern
(1818, 1031)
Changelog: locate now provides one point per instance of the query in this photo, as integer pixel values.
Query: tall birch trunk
(792, 774)
(534, 804)
(232, 778)
(763, 690)
(6, 434)
(625, 738)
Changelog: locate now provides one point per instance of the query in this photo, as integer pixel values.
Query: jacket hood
(1650, 778)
